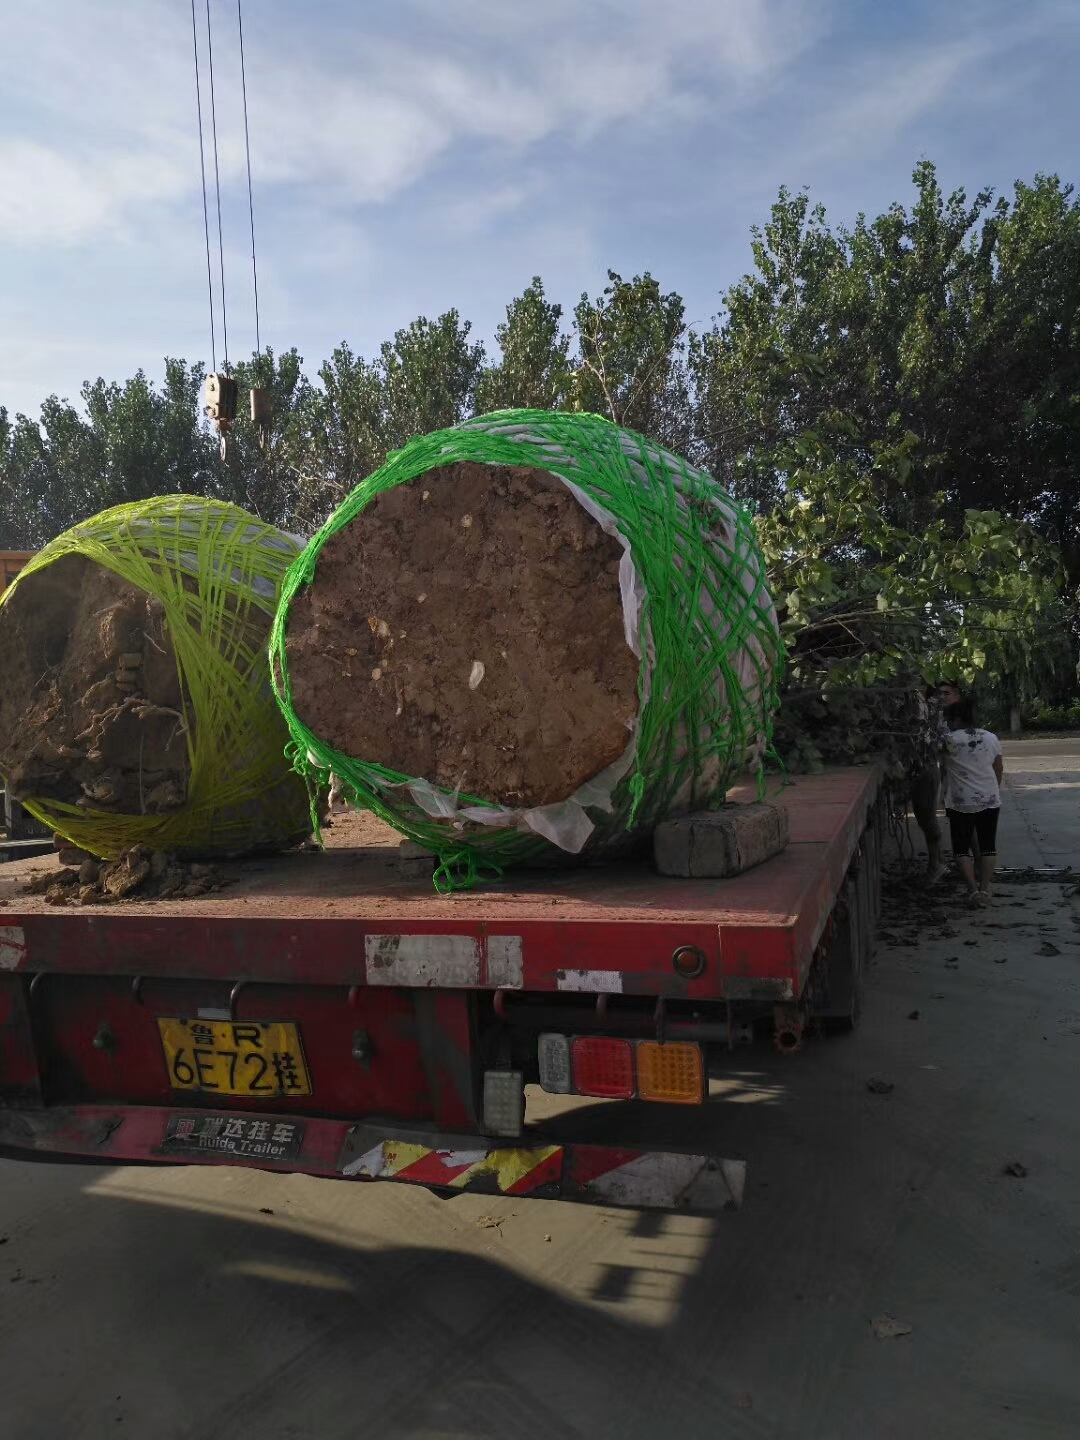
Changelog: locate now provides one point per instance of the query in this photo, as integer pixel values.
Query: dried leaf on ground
(885, 1327)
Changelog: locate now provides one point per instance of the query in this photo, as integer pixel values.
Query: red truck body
(11, 562)
(405, 1001)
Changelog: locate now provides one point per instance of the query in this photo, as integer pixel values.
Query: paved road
(1041, 802)
(228, 1304)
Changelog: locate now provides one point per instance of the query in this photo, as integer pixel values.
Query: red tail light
(603, 1067)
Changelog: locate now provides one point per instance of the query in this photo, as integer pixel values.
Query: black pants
(964, 824)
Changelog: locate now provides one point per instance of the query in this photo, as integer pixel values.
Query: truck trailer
(327, 1011)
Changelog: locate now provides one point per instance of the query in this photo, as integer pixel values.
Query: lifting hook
(221, 393)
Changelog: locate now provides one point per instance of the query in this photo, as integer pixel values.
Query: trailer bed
(348, 916)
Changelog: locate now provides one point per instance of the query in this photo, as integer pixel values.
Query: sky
(409, 156)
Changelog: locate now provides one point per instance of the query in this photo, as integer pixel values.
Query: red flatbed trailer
(392, 1007)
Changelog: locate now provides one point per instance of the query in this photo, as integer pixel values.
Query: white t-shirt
(970, 782)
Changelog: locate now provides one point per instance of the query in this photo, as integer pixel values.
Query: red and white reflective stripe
(516, 1171)
(650, 1179)
(12, 946)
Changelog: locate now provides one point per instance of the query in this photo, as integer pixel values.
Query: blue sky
(412, 155)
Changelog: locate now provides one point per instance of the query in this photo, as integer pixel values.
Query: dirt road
(226, 1304)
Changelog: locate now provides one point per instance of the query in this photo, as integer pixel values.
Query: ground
(224, 1303)
(1041, 819)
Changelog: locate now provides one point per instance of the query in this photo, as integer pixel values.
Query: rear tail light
(603, 1067)
(672, 1072)
(554, 1056)
(616, 1069)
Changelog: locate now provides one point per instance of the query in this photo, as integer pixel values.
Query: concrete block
(414, 862)
(719, 843)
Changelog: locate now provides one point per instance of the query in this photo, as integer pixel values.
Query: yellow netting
(218, 572)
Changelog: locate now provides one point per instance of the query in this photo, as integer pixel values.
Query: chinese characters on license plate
(234, 1135)
(218, 1057)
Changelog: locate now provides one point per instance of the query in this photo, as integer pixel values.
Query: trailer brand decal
(604, 1173)
(445, 961)
(234, 1135)
(12, 947)
(592, 981)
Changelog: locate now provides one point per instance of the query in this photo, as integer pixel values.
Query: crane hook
(262, 412)
(221, 393)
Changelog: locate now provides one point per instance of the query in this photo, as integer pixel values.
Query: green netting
(217, 572)
(709, 644)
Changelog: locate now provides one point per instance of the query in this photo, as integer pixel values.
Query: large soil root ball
(531, 634)
(91, 710)
(135, 704)
(468, 628)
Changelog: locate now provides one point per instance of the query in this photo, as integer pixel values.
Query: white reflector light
(504, 1102)
(553, 1053)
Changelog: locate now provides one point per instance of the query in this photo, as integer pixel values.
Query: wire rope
(217, 185)
(251, 205)
(202, 168)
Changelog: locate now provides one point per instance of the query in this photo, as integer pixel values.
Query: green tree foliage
(46, 477)
(142, 441)
(631, 359)
(871, 609)
(344, 437)
(128, 442)
(901, 403)
(534, 369)
(956, 321)
(423, 380)
(428, 372)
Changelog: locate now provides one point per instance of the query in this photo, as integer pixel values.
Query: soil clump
(138, 874)
(467, 628)
(91, 707)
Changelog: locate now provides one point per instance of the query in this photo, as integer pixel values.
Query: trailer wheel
(838, 991)
(834, 1023)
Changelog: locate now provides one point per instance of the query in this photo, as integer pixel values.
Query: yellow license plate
(222, 1057)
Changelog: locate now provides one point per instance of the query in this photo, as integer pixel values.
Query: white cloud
(889, 94)
(977, 59)
(98, 127)
(25, 360)
(49, 195)
(43, 193)
(473, 212)
(742, 37)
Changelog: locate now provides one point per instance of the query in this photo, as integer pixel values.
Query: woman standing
(973, 769)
